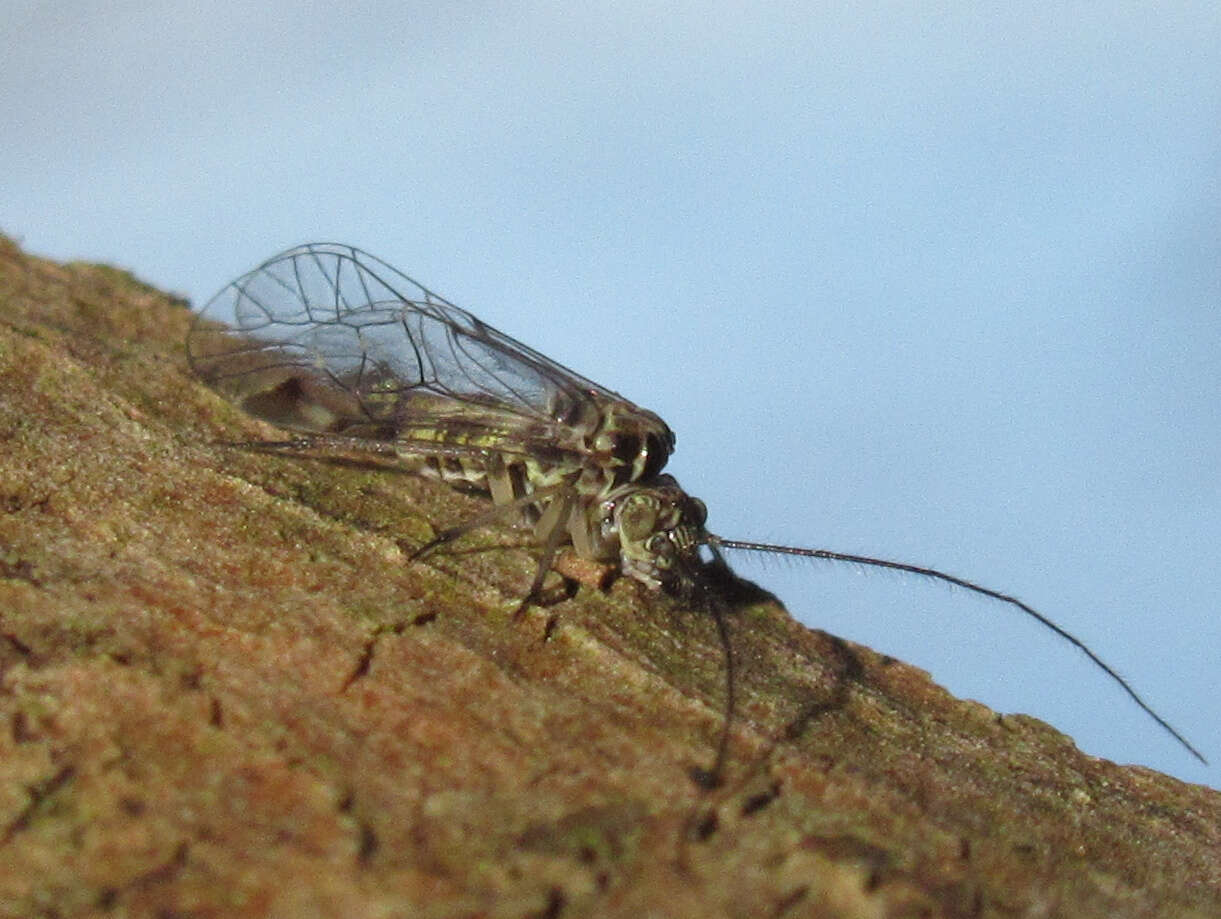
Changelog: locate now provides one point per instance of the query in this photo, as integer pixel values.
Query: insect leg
(553, 524)
(496, 512)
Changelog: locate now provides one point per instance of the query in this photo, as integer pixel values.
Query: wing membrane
(327, 338)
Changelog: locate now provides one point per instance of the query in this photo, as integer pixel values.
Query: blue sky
(935, 282)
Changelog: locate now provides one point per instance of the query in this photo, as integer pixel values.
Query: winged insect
(334, 344)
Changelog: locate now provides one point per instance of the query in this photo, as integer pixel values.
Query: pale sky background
(936, 282)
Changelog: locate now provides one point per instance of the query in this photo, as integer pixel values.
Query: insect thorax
(621, 442)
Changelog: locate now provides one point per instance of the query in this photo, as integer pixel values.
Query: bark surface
(226, 691)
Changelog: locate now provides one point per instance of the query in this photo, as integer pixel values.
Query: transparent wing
(325, 337)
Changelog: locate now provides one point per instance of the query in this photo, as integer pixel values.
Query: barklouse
(333, 344)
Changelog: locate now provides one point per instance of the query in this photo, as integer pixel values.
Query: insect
(332, 343)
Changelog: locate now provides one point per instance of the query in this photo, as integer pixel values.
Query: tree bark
(230, 692)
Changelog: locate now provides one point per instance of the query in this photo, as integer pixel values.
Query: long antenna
(976, 588)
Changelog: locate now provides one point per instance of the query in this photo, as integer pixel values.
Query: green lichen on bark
(229, 692)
